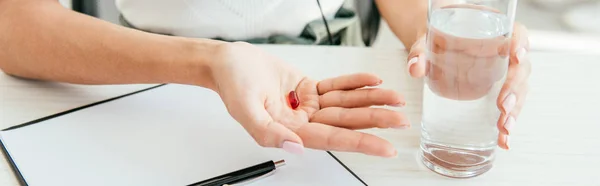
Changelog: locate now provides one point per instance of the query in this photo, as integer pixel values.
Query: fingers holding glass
(416, 64)
(520, 44)
(511, 108)
(512, 98)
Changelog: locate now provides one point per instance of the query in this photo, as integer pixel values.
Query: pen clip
(253, 179)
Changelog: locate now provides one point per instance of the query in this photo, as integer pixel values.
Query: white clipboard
(162, 136)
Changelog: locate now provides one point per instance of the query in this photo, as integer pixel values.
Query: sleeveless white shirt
(227, 19)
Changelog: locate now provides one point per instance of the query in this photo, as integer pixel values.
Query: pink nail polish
(395, 155)
(508, 125)
(292, 147)
(411, 62)
(509, 103)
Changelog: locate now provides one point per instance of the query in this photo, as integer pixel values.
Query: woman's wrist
(197, 57)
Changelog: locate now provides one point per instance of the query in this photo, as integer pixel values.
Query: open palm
(335, 107)
(255, 87)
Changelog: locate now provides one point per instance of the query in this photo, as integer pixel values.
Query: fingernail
(521, 54)
(395, 154)
(392, 154)
(509, 103)
(379, 82)
(411, 62)
(510, 122)
(292, 147)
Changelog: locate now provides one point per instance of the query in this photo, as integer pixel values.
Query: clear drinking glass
(468, 44)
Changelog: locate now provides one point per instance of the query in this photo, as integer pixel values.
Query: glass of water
(468, 44)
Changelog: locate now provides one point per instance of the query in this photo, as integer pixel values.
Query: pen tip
(279, 163)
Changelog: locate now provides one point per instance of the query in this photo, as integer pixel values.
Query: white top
(228, 19)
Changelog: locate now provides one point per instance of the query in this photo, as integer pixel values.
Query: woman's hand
(514, 91)
(255, 88)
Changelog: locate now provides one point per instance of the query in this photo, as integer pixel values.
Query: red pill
(293, 99)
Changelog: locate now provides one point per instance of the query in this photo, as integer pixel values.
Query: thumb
(416, 64)
(269, 133)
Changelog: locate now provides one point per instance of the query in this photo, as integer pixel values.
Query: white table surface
(555, 141)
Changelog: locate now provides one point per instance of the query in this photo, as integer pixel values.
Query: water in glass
(467, 52)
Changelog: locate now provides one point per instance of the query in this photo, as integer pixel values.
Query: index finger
(326, 137)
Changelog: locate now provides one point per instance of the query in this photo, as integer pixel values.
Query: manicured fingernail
(292, 147)
(391, 154)
(508, 125)
(411, 62)
(509, 103)
(521, 54)
(395, 154)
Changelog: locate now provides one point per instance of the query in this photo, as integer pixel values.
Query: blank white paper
(170, 135)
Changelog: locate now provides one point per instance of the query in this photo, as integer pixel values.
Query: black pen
(242, 176)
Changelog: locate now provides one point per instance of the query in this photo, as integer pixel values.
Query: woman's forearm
(43, 40)
(406, 18)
